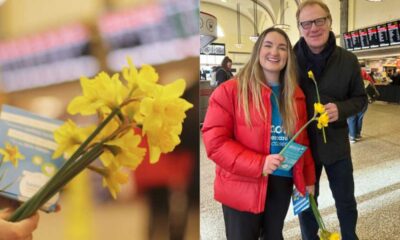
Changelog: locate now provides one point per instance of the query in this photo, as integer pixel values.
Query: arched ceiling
(265, 8)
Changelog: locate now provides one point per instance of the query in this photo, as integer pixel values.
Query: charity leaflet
(32, 136)
(292, 153)
(300, 203)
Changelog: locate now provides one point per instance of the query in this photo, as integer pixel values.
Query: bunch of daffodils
(321, 108)
(130, 112)
(324, 234)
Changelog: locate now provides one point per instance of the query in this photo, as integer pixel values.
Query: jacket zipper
(263, 190)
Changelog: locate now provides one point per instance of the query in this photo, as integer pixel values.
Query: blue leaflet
(299, 203)
(292, 153)
(33, 135)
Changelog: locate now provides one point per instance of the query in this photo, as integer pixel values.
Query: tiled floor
(376, 160)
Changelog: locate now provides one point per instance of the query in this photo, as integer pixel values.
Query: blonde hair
(251, 80)
(313, 2)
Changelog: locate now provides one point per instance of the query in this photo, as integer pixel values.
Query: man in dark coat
(341, 88)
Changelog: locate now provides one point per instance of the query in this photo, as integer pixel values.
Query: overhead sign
(208, 29)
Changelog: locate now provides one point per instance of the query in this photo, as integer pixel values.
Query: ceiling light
(238, 45)
(220, 32)
(374, 0)
(284, 27)
(254, 38)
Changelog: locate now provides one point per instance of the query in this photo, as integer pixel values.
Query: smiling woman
(245, 143)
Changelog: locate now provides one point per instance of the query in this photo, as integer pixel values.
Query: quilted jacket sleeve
(218, 135)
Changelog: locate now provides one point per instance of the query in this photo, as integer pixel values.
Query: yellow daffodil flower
(326, 235)
(163, 140)
(90, 102)
(112, 91)
(334, 236)
(101, 94)
(11, 154)
(311, 75)
(132, 112)
(163, 113)
(113, 178)
(319, 108)
(140, 82)
(123, 151)
(130, 74)
(147, 79)
(323, 120)
(108, 130)
(165, 106)
(69, 137)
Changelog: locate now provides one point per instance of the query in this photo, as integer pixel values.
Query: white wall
(371, 13)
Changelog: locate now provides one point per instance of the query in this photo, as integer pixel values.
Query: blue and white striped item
(299, 203)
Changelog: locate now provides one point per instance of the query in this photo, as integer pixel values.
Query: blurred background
(47, 45)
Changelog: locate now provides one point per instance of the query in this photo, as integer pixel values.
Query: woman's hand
(310, 189)
(17, 231)
(272, 162)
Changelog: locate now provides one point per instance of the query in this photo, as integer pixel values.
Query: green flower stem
(71, 168)
(54, 185)
(82, 147)
(316, 89)
(297, 134)
(317, 215)
(319, 101)
(83, 163)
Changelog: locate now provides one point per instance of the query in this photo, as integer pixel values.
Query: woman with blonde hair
(250, 118)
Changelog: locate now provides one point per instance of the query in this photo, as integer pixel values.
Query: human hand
(332, 111)
(310, 189)
(19, 230)
(272, 162)
(8, 203)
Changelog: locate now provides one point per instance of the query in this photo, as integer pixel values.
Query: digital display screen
(348, 42)
(380, 35)
(394, 33)
(383, 35)
(373, 37)
(356, 40)
(364, 38)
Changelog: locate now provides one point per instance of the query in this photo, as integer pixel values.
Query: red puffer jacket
(240, 151)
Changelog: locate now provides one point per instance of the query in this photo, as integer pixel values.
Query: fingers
(5, 213)
(30, 237)
(272, 162)
(310, 189)
(28, 225)
(17, 231)
(4, 203)
(58, 208)
(332, 111)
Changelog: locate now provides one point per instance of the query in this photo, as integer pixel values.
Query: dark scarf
(316, 62)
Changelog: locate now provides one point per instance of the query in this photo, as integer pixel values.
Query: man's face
(316, 35)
